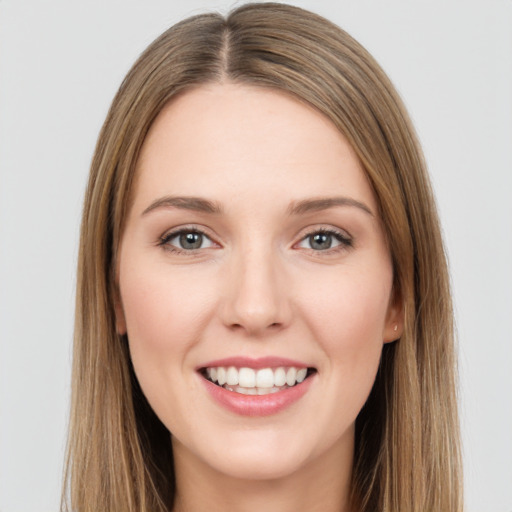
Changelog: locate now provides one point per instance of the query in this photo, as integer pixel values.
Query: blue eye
(186, 240)
(324, 240)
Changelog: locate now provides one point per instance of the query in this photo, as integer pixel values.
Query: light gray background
(60, 65)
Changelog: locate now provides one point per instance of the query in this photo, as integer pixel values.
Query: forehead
(227, 140)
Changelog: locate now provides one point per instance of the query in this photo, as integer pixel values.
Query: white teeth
(301, 374)
(232, 376)
(279, 377)
(265, 378)
(253, 391)
(247, 377)
(291, 376)
(248, 381)
(221, 376)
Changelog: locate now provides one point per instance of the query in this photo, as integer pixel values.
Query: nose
(257, 300)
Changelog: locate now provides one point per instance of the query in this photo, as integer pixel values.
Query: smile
(256, 386)
(263, 381)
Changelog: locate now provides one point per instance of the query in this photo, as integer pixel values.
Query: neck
(322, 485)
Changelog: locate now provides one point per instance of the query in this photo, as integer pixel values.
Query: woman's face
(253, 252)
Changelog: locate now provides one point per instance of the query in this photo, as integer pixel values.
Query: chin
(259, 466)
(255, 455)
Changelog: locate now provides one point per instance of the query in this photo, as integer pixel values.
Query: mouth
(262, 381)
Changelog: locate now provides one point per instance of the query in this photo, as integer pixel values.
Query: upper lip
(255, 363)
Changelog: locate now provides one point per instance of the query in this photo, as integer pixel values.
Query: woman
(263, 309)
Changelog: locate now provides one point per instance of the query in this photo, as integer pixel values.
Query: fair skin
(253, 267)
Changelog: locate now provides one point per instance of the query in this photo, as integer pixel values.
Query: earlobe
(393, 331)
(394, 321)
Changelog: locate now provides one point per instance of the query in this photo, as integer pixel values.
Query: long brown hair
(407, 453)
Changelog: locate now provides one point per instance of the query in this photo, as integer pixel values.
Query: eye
(323, 240)
(186, 240)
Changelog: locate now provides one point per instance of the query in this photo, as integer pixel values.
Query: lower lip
(257, 405)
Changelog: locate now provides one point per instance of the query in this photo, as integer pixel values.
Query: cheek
(164, 316)
(348, 321)
(162, 311)
(348, 316)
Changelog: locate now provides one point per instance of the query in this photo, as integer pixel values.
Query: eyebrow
(185, 203)
(199, 204)
(324, 203)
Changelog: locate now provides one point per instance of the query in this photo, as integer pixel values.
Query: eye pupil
(320, 241)
(191, 240)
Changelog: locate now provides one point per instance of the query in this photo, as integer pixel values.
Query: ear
(394, 325)
(119, 312)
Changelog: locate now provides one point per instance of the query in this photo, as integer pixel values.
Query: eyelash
(345, 241)
(167, 237)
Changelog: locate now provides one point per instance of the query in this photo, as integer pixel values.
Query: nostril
(239, 326)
